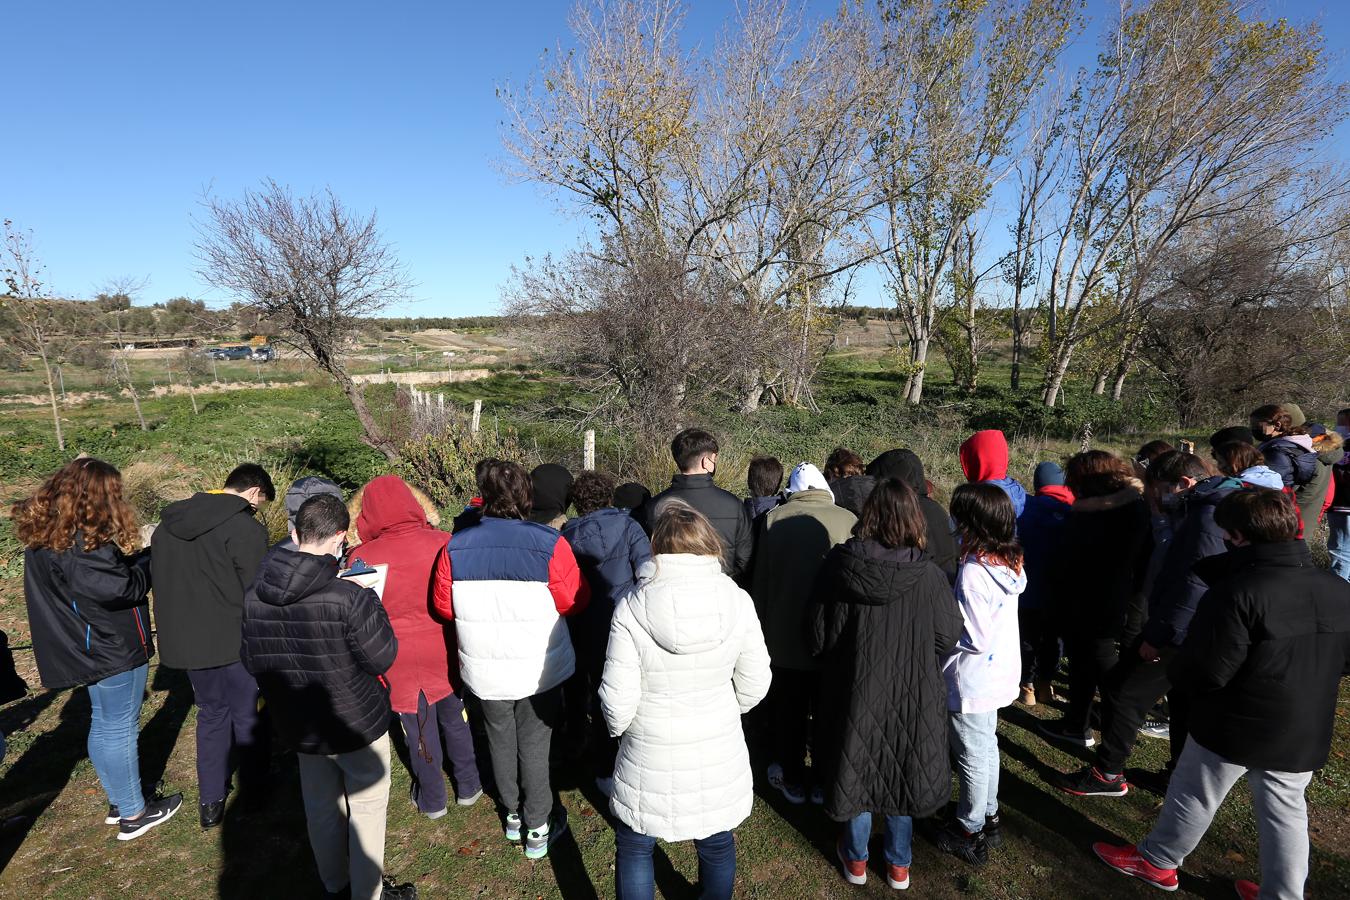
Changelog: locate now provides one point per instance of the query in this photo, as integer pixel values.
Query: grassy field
(784, 851)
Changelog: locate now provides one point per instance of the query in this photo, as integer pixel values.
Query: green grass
(783, 851)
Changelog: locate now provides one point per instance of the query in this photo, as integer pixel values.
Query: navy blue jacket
(1177, 589)
(609, 546)
(1041, 529)
(1296, 464)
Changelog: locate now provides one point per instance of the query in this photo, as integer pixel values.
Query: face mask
(1170, 502)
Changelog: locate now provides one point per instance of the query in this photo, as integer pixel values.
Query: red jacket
(395, 530)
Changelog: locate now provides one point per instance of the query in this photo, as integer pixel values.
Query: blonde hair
(682, 529)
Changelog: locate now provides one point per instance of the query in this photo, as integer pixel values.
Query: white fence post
(588, 451)
(477, 414)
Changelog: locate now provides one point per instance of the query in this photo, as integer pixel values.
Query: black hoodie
(317, 645)
(905, 465)
(204, 555)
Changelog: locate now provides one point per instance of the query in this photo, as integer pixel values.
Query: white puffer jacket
(686, 659)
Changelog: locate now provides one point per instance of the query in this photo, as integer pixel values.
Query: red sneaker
(1247, 890)
(1129, 861)
(855, 870)
(898, 877)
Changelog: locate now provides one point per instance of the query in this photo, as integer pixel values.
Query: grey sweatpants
(520, 735)
(1199, 785)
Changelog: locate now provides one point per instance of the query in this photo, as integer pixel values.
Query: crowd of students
(867, 636)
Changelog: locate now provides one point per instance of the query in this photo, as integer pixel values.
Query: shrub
(442, 464)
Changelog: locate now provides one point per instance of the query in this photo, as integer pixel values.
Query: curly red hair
(83, 497)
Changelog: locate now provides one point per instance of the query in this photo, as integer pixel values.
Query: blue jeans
(899, 831)
(113, 730)
(634, 878)
(1338, 542)
(974, 743)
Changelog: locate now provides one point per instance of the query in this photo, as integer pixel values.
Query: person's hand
(1148, 652)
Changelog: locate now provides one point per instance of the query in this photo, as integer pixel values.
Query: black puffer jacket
(725, 510)
(1265, 655)
(1097, 586)
(883, 621)
(87, 611)
(207, 549)
(906, 466)
(317, 644)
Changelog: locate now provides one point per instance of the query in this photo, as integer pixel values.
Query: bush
(442, 464)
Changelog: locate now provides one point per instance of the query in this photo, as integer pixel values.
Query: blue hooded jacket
(610, 547)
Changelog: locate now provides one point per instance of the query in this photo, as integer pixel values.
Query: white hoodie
(686, 659)
(983, 671)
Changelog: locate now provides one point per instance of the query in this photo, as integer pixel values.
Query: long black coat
(883, 621)
(1264, 657)
(1097, 582)
(317, 644)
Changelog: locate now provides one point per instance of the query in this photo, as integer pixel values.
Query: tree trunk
(1099, 386)
(371, 434)
(1118, 388)
(1015, 379)
(51, 395)
(915, 392)
(1054, 382)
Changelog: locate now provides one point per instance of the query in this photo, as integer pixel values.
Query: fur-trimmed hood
(354, 510)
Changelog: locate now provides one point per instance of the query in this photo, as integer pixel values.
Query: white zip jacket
(686, 659)
(983, 671)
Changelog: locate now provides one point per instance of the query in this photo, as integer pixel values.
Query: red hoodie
(395, 531)
(984, 456)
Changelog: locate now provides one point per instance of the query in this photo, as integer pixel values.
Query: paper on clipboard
(374, 580)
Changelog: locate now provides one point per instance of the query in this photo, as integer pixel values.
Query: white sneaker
(469, 800)
(793, 793)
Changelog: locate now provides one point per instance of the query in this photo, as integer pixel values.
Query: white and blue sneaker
(538, 840)
(513, 827)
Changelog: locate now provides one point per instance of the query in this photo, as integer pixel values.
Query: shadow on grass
(41, 773)
(160, 734)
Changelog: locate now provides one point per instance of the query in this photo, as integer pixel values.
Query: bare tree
(118, 296)
(962, 76)
(1193, 113)
(33, 317)
(311, 266)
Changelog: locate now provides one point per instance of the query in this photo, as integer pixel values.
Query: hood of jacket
(189, 519)
(288, 576)
(903, 465)
(1056, 492)
(1283, 554)
(1262, 476)
(1123, 497)
(984, 456)
(356, 506)
(1294, 443)
(551, 483)
(1329, 446)
(1012, 582)
(682, 606)
(388, 504)
(877, 575)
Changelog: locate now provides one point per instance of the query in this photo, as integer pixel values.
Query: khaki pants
(346, 797)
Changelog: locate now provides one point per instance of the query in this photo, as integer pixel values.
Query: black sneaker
(156, 793)
(1089, 781)
(392, 891)
(1058, 731)
(114, 817)
(993, 831)
(971, 848)
(211, 814)
(156, 812)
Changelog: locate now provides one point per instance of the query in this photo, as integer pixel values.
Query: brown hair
(891, 516)
(85, 497)
(843, 463)
(1261, 515)
(592, 491)
(1096, 473)
(1170, 468)
(1279, 418)
(986, 523)
(682, 529)
(1236, 456)
(507, 491)
(765, 476)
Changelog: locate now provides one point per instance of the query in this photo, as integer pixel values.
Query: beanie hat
(631, 495)
(807, 477)
(1296, 416)
(551, 483)
(1047, 474)
(305, 488)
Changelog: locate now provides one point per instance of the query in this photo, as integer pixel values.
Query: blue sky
(120, 115)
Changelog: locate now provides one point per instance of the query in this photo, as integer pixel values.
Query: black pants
(793, 701)
(228, 720)
(1090, 659)
(1040, 645)
(584, 722)
(1131, 690)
